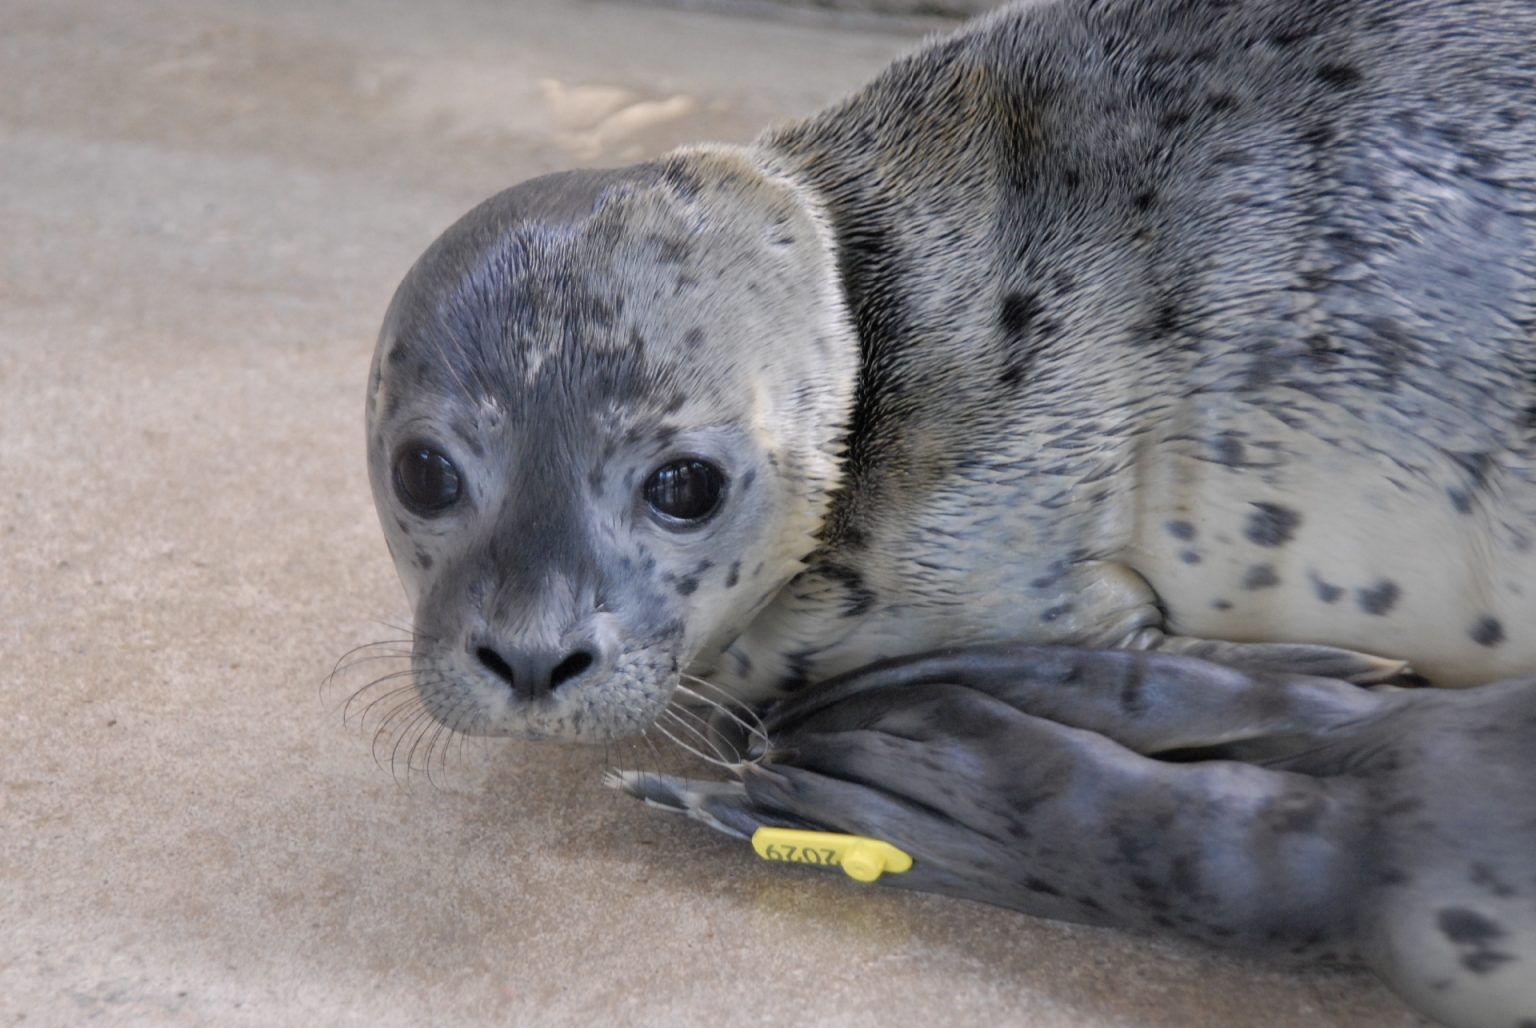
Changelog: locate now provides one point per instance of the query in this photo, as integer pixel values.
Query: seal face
(1216, 341)
(572, 445)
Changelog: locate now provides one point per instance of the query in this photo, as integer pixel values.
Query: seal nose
(532, 673)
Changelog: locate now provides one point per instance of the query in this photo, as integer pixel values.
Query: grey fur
(1157, 792)
(978, 333)
(1136, 324)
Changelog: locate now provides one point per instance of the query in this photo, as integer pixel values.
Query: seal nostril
(499, 667)
(569, 668)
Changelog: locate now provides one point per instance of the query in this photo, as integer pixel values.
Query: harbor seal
(1198, 338)
(1163, 793)
(1129, 324)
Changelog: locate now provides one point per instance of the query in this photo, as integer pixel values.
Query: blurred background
(204, 208)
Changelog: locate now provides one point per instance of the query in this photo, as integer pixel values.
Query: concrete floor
(205, 206)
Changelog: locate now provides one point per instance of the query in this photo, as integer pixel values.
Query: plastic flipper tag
(861, 858)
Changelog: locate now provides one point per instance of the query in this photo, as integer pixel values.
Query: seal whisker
(415, 726)
(702, 728)
(411, 686)
(753, 728)
(717, 758)
(432, 739)
(408, 629)
(352, 659)
(372, 683)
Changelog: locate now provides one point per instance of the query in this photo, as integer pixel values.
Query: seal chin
(611, 704)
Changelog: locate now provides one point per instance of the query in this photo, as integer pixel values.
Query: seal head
(604, 420)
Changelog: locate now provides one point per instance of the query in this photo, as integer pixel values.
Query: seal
(1162, 793)
(1133, 324)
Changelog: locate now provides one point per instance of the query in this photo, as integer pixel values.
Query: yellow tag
(861, 859)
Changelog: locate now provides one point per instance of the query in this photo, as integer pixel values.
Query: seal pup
(1163, 793)
(1131, 324)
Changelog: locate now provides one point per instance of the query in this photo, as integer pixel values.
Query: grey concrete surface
(205, 206)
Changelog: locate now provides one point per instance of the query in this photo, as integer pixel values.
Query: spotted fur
(1126, 323)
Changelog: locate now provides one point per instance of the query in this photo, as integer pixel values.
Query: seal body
(1214, 322)
(1130, 324)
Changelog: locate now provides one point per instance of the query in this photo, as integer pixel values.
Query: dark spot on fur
(1379, 599)
(1221, 604)
(1131, 699)
(1070, 178)
(1180, 530)
(1271, 525)
(1167, 320)
(1024, 333)
(1467, 927)
(1484, 877)
(1218, 102)
(1144, 200)
(686, 586)
(1290, 36)
(1406, 805)
(693, 338)
(1339, 76)
(1260, 576)
(1478, 467)
(858, 597)
(1018, 311)
(1190, 557)
(1487, 631)
(1228, 450)
(423, 560)
(1485, 961)
(1460, 499)
(1392, 876)
(1055, 612)
(1041, 886)
(1325, 591)
(1318, 136)
(1293, 812)
(670, 251)
(733, 575)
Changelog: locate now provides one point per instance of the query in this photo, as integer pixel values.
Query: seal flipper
(1150, 702)
(996, 805)
(1291, 658)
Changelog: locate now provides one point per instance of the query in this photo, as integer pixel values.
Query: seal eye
(425, 479)
(685, 491)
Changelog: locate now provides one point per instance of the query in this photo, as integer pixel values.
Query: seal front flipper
(1295, 658)
(999, 806)
(1151, 702)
